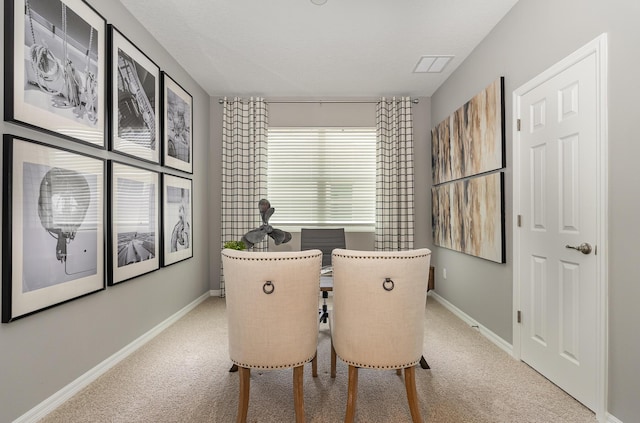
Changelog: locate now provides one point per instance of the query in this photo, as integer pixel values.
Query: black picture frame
(53, 226)
(55, 68)
(134, 217)
(134, 88)
(177, 219)
(177, 125)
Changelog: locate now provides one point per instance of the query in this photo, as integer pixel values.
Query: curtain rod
(413, 100)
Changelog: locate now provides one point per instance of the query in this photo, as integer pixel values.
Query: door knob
(584, 248)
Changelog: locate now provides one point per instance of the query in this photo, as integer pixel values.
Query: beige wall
(43, 353)
(534, 35)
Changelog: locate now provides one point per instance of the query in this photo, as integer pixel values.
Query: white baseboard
(55, 400)
(611, 419)
(501, 343)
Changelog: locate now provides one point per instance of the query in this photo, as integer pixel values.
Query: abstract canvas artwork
(468, 216)
(471, 140)
(467, 209)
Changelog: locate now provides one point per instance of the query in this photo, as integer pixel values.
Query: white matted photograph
(56, 60)
(135, 223)
(177, 127)
(53, 237)
(135, 97)
(177, 205)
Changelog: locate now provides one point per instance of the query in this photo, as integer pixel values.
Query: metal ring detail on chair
(386, 281)
(266, 286)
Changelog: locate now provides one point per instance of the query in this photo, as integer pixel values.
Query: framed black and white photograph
(53, 227)
(177, 205)
(55, 68)
(135, 99)
(177, 126)
(135, 222)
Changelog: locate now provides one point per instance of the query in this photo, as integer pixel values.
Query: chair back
(379, 300)
(272, 307)
(323, 239)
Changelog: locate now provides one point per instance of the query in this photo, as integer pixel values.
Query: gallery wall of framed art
(77, 221)
(61, 331)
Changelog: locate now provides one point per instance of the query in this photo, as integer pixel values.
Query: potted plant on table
(235, 245)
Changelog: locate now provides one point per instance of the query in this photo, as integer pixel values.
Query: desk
(326, 285)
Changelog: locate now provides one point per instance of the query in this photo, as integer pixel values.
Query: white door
(558, 229)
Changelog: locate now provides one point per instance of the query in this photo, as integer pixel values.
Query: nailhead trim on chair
(271, 258)
(282, 366)
(379, 257)
(391, 367)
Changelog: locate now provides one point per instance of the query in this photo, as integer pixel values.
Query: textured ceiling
(294, 48)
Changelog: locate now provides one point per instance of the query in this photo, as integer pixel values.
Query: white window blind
(322, 177)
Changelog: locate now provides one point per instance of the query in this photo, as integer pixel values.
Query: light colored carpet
(182, 376)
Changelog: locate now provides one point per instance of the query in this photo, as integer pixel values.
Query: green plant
(235, 245)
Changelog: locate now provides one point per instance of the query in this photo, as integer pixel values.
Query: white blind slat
(322, 176)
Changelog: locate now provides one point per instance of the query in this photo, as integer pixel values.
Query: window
(322, 177)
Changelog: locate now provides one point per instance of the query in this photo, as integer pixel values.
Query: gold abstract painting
(471, 140)
(468, 216)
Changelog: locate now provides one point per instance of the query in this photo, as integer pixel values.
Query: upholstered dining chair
(272, 298)
(379, 300)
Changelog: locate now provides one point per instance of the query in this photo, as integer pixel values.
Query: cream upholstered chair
(272, 301)
(377, 322)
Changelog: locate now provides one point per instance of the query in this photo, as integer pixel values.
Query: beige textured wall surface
(533, 36)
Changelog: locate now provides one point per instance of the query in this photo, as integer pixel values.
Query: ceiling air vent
(432, 64)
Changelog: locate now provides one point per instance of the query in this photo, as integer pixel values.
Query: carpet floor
(182, 375)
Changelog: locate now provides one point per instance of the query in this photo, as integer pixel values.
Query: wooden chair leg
(314, 365)
(412, 395)
(333, 360)
(243, 401)
(352, 394)
(298, 393)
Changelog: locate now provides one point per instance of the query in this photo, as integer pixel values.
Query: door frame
(597, 47)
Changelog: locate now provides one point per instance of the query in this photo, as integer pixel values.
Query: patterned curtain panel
(244, 169)
(394, 175)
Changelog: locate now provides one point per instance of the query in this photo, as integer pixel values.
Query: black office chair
(325, 240)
